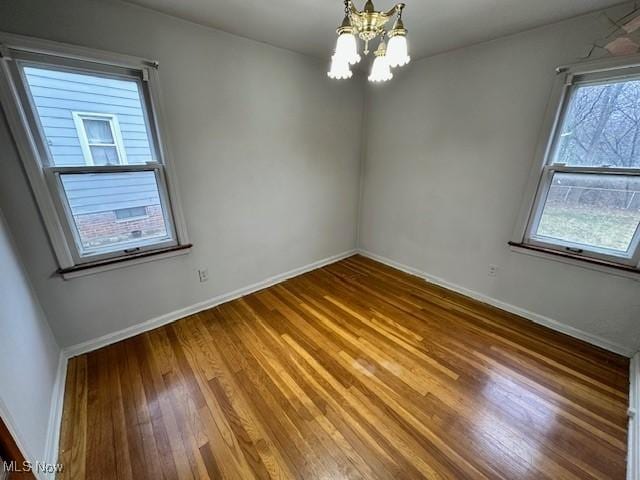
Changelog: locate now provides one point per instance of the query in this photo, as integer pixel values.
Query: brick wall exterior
(104, 228)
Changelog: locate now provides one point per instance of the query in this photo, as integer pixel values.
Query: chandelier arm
(397, 9)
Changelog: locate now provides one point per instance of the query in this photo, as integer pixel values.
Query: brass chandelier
(367, 25)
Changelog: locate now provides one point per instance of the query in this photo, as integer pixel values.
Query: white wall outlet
(493, 271)
(203, 275)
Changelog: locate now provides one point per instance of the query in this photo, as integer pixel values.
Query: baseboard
(52, 445)
(53, 428)
(534, 317)
(17, 436)
(156, 322)
(633, 455)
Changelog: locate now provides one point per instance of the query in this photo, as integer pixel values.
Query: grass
(605, 228)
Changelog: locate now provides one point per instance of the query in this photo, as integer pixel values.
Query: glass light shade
(339, 68)
(347, 48)
(380, 71)
(397, 51)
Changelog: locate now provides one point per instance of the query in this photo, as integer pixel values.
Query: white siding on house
(57, 94)
(103, 192)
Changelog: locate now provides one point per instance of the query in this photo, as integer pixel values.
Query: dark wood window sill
(591, 261)
(122, 260)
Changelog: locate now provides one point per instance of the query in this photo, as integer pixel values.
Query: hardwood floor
(355, 370)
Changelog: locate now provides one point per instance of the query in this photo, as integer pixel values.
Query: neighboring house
(88, 120)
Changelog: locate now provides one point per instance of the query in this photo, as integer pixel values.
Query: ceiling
(308, 26)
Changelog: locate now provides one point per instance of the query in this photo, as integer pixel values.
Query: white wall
(28, 355)
(451, 142)
(267, 153)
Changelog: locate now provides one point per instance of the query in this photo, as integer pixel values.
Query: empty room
(319, 239)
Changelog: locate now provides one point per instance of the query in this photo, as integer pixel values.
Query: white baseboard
(53, 427)
(633, 454)
(52, 445)
(156, 322)
(15, 432)
(534, 317)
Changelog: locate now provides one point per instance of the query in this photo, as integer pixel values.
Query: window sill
(571, 259)
(112, 264)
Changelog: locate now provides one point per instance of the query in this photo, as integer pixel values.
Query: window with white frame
(89, 136)
(587, 202)
(100, 138)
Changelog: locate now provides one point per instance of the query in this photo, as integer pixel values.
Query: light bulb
(397, 51)
(339, 68)
(347, 48)
(380, 71)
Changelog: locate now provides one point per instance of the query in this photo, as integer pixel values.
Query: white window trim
(33, 161)
(85, 145)
(542, 171)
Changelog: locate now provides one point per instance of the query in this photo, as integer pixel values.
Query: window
(587, 203)
(133, 213)
(88, 133)
(100, 138)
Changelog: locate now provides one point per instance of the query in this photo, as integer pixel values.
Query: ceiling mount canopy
(366, 25)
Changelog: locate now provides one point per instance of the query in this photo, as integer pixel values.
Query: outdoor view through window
(592, 199)
(89, 122)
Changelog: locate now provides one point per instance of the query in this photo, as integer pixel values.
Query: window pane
(126, 213)
(602, 126)
(104, 155)
(98, 131)
(57, 94)
(600, 211)
(94, 199)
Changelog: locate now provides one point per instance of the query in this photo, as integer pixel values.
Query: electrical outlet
(493, 271)
(203, 275)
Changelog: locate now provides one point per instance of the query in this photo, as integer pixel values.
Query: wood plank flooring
(355, 370)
